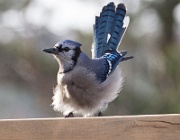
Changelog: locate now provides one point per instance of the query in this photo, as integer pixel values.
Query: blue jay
(85, 86)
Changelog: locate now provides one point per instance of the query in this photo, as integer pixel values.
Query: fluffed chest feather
(79, 77)
(79, 90)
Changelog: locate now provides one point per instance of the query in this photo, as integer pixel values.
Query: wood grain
(148, 127)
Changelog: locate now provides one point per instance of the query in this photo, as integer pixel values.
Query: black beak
(51, 50)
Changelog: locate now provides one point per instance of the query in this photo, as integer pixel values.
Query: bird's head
(66, 53)
(65, 50)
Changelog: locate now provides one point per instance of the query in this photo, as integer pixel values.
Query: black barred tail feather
(109, 28)
(103, 26)
(118, 29)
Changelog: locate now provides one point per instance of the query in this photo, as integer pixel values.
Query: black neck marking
(76, 56)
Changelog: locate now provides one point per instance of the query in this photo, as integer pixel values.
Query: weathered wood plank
(150, 127)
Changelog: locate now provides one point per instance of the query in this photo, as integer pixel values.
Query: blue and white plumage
(84, 85)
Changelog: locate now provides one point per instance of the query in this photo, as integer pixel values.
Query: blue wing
(108, 29)
(113, 58)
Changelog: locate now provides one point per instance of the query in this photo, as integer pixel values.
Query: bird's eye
(66, 49)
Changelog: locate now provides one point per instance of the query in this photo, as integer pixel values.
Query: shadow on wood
(146, 127)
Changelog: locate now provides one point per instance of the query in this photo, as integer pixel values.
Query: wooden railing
(143, 127)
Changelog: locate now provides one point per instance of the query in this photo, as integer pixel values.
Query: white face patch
(67, 55)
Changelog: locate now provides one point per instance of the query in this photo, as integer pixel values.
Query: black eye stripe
(61, 48)
(66, 49)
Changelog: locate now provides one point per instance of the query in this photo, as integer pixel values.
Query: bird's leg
(99, 114)
(69, 115)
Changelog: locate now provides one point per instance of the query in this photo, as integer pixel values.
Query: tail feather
(118, 27)
(108, 24)
(103, 27)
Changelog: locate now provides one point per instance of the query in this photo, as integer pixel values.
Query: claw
(69, 115)
(99, 114)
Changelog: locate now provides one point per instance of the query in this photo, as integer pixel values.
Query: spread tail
(109, 29)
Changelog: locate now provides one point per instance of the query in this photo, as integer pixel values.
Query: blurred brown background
(27, 75)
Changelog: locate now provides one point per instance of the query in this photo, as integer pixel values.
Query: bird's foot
(100, 114)
(69, 115)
